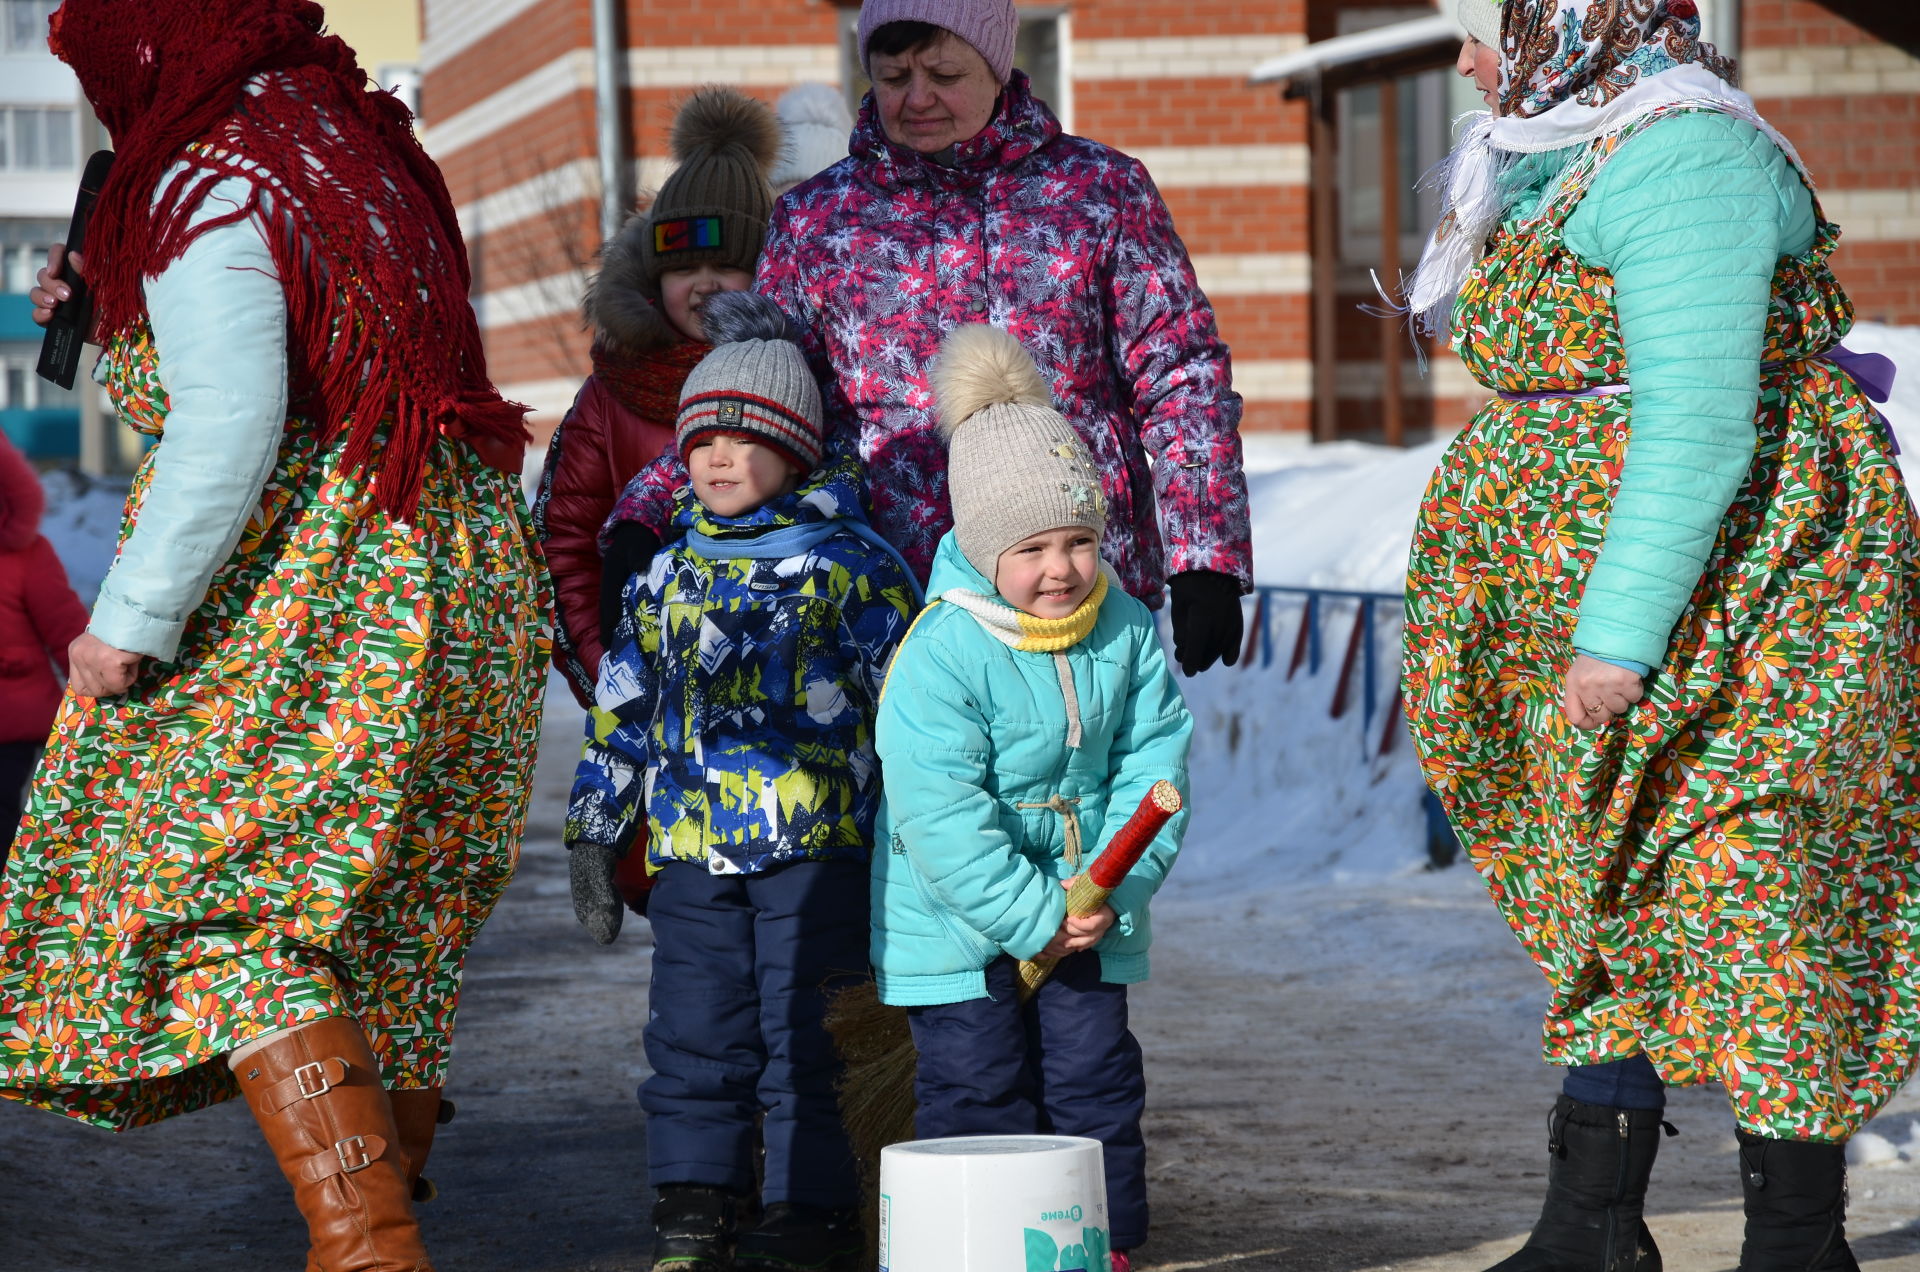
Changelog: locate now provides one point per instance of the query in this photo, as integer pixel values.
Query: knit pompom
(730, 317)
(981, 366)
(814, 104)
(718, 118)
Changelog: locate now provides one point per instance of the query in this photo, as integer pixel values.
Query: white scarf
(1475, 192)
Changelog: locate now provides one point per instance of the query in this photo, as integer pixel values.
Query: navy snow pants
(743, 966)
(1066, 1064)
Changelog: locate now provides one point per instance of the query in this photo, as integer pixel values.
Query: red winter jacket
(39, 613)
(622, 418)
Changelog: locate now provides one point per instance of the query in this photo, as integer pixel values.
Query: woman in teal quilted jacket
(1026, 715)
(1663, 634)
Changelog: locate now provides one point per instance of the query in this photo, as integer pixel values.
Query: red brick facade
(508, 99)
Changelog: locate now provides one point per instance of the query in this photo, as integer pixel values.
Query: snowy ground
(1342, 1044)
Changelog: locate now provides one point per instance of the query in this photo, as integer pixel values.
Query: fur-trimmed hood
(622, 304)
(22, 499)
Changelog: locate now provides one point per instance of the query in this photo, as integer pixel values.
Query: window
(18, 264)
(26, 26)
(19, 385)
(38, 139)
(1038, 51)
(402, 79)
(1423, 130)
(1422, 123)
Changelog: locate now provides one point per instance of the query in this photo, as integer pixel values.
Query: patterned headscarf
(1571, 72)
(1592, 51)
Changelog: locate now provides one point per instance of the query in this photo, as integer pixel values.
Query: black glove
(596, 902)
(628, 553)
(1207, 623)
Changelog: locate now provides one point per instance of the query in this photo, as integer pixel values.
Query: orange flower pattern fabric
(310, 813)
(1728, 879)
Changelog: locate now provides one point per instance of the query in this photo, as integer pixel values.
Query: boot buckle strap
(349, 1156)
(313, 1080)
(352, 1152)
(309, 1082)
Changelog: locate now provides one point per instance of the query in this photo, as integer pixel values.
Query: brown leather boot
(418, 1113)
(316, 1093)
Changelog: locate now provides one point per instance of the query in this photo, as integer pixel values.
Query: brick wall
(1849, 98)
(509, 95)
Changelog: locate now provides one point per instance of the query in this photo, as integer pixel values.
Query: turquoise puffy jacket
(971, 732)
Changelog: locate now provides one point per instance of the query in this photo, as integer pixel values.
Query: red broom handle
(1090, 890)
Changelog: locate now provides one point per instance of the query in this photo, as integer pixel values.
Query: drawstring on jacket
(1070, 820)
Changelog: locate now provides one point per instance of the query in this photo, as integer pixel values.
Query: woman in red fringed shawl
(254, 861)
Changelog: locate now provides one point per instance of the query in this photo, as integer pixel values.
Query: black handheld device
(72, 320)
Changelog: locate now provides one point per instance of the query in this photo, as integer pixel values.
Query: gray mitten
(596, 902)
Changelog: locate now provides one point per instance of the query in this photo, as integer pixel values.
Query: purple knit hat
(990, 26)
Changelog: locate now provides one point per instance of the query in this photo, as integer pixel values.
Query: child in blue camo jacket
(735, 711)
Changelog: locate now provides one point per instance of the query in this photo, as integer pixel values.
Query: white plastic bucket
(994, 1203)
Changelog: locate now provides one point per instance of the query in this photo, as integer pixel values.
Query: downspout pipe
(609, 58)
(1724, 27)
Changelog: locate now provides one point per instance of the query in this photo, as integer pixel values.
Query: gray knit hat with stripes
(755, 383)
(1015, 465)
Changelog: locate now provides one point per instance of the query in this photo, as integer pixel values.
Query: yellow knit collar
(1026, 632)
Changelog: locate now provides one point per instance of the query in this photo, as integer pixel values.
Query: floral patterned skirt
(1728, 879)
(309, 813)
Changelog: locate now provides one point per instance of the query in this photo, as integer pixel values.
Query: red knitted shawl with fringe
(382, 342)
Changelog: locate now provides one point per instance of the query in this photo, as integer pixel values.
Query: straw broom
(875, 1045)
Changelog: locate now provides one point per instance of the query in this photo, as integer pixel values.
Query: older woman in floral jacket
(963, 201)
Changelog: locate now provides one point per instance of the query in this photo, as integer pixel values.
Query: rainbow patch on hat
(687, 234)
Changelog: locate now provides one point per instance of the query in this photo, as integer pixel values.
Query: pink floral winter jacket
(1067, 244)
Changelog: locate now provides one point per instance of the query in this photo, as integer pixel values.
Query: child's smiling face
(1049, 574)
(733, 474)
(683, 292)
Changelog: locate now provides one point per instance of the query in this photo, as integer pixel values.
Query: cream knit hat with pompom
(1015, 466)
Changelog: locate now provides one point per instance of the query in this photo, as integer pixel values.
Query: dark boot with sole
(1599, 1160)
(1796, 1199)
(693, 1228)
(793, 1238)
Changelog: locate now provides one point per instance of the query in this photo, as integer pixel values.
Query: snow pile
(1883, 1146)
(82, 522)
(1283, 792)
(1336, 516)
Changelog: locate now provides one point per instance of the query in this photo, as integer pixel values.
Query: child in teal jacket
(1026, 715)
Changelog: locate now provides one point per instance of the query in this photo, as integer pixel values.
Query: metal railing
(1308, 645)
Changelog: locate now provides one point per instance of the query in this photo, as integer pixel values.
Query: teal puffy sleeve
(1691, 218)
(219, 318)
(936, 751)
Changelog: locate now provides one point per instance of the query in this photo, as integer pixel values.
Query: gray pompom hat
(1015, 466)
(755, 383)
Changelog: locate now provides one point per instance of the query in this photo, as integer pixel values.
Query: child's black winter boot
(792, 1238)
(693, 1228)
(1599, 1160)
(1796, 1198)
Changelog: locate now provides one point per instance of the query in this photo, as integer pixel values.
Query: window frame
(10, 151)
(1425, 96)
(10, 367)
(39, 43)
